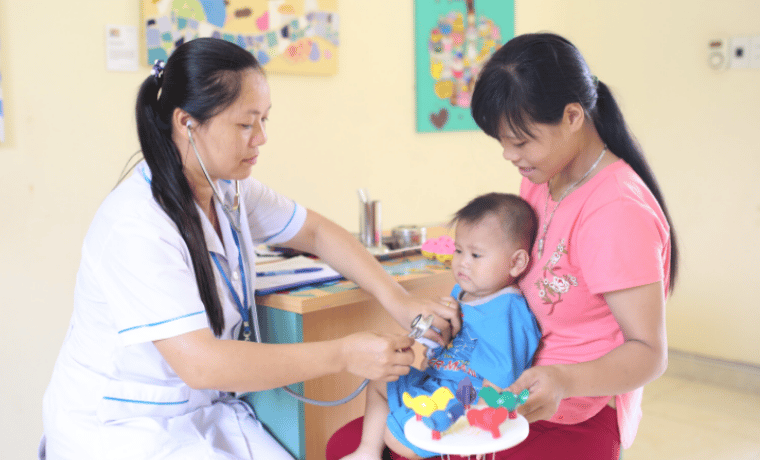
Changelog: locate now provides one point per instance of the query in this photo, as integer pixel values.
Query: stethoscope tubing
(249, 311)
(254, 318)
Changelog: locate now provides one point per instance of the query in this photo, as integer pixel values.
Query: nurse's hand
(377, 356)
(445, 310)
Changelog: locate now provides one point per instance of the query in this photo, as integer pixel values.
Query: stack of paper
(267, 283)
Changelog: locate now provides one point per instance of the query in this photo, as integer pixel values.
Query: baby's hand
(453, 305)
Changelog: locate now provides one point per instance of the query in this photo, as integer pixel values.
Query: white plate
(465, 439)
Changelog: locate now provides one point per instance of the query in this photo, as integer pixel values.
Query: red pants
(594, 439)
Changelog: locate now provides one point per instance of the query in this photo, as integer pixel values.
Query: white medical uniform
(112, 395)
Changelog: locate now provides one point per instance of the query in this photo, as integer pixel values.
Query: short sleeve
(148, 281)
(628, 241)
(272, 217)
(508, 337)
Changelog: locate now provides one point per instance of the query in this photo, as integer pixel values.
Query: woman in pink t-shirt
(605, 256)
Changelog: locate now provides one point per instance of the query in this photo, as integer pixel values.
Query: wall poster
(290, 36)
(2, 113)
(453, 39)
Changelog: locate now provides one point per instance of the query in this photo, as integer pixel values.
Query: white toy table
(463, 439)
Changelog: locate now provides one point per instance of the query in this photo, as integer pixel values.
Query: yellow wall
(70, 129)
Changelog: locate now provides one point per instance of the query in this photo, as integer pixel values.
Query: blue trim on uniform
(145, 176)
(162, 322)
(153, 403)
(295, 208)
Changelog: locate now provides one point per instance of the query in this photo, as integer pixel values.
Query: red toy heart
(488, 419)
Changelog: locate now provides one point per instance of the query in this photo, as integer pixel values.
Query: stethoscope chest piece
(420, 325)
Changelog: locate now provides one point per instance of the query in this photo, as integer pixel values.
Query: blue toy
(441, 420)
(466, 392)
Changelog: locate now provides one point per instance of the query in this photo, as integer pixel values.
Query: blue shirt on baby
(498, 339)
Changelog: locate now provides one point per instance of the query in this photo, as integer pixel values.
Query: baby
(493, 238)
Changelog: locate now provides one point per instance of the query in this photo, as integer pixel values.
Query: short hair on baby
(518, 219)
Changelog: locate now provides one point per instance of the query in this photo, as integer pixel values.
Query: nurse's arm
(342, 251)
(204, 362)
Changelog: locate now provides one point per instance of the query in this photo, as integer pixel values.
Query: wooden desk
(325, 313)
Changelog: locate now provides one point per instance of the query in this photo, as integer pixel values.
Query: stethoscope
(247, 306)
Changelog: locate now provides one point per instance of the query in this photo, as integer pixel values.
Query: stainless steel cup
(406, 236)
(370, 223)
(377, 224)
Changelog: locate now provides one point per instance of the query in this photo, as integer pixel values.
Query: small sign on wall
(121, 48)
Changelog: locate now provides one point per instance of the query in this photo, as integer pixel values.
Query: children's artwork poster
(453, 39)
(2, 112)
(289, 36)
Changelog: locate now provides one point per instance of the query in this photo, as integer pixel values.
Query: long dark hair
(202, 77)
(531, 79)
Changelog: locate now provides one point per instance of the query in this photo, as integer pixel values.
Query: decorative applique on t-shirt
(552, 285)
(456, 357)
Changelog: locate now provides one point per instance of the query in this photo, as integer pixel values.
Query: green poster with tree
(453, 39)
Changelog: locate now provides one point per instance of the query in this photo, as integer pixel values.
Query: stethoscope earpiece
(236, 203)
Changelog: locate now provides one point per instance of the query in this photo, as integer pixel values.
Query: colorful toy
(440, 410)
(441, 420)
(505, 399)
(449, 427)
(441, 248)
(424, 405)
(523, 396)
(488, 419)
(466, 393)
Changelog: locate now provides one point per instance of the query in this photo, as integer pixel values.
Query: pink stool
(346, 440)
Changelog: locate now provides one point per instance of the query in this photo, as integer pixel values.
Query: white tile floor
(684, 419)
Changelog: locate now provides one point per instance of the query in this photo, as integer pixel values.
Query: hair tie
(595, 79)
(158, 71)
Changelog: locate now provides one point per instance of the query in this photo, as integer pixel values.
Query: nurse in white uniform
(150, 361)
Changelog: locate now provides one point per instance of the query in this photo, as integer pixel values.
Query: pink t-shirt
(607, 235)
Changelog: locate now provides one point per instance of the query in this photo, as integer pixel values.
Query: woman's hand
(447, 320)
(378, 357)
(547, 386)
(641, 358)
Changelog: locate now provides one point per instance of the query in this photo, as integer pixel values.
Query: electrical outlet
(754, 52)
(717, 53)
(738, 50)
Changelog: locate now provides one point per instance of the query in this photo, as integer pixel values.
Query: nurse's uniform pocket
(136, 417)
(125, 400)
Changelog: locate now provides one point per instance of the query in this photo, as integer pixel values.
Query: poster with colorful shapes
(453, 39)
(289, 36)
(2, 112)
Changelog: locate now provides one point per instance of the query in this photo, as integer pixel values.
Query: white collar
(511, 289)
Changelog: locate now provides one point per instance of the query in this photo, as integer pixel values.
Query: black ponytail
(612, 128)
(202, 77)
(532, 78)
